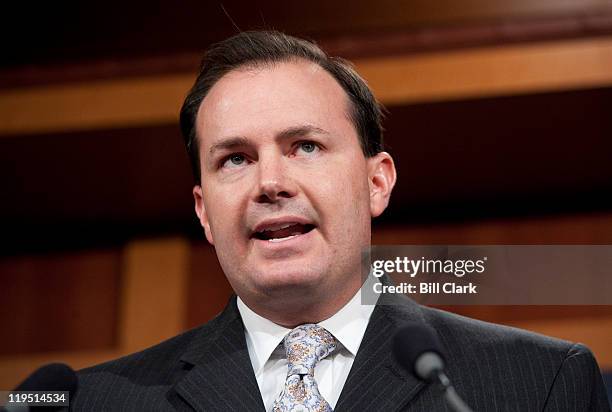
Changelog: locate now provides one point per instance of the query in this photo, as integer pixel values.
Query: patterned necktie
(305, 346)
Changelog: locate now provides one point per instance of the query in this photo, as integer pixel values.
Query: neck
(292, 311)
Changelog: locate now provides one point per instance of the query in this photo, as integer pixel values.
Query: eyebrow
(298, 131)
(240, 141)
(229, 143)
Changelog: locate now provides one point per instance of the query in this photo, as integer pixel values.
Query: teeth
(280, 227)
(282, 239)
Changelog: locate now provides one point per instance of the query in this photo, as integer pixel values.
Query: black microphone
(419, 350)
(51, 377)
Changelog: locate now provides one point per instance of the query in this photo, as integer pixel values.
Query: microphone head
(419, 350)
(51, 377)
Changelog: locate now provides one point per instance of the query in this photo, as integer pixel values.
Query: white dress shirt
(264, 342)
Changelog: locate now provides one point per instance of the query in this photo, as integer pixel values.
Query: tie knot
(305, 346)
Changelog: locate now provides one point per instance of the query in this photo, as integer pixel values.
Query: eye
(234, 160)
(308, 147)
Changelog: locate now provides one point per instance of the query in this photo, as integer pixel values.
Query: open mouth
(282, 232)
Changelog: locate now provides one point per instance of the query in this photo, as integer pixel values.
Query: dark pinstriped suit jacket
(493, 368)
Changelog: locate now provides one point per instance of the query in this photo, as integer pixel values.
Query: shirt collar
(262, 335)
(348, 325)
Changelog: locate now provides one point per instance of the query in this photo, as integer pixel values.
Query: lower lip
(297, 242)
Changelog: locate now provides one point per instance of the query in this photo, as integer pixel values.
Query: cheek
(223, 213)
(345, 192)
(347, 219)
(354, 185)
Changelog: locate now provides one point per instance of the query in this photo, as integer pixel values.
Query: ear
(200, 210)
(381, 178)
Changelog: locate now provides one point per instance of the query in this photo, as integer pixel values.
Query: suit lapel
(377, 381)
(221, 375)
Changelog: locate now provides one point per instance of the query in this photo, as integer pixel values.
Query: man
(286, 146)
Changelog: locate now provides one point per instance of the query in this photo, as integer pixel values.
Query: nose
(274, 182)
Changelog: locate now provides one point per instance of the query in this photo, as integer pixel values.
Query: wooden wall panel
(584, 228)
(209, 290)
(14, 369)
(120, 29)
(587, 324)
(401, 79)
(507, 70)
(153, 292)
(148, 304)
(50, 302)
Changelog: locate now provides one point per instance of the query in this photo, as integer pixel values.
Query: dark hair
(251, 48)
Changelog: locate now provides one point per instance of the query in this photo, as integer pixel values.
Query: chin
(284, 277)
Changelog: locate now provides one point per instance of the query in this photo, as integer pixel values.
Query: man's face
(287, 194)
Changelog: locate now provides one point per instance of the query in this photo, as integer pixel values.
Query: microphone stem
(452, 397)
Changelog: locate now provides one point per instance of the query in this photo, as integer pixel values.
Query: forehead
(257, 101)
